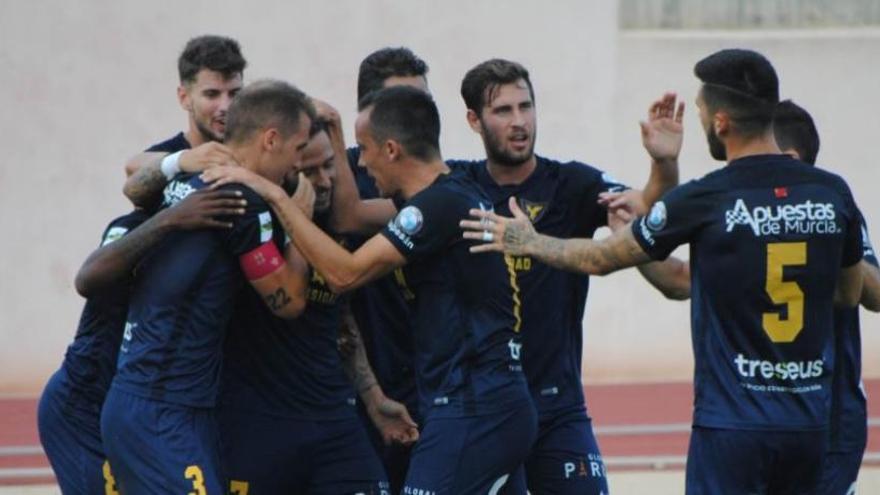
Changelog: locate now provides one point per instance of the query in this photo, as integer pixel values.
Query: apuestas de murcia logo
(802, 218)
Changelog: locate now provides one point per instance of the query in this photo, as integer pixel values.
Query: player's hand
(391, 418)
(503, 234)
(203, 209)
(206, 155)
(220, 176)
(328, 114)
(304, 196)
(662, 133)
(632, 200)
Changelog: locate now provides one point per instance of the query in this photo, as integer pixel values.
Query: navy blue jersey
(849, 408)
(90, 361)
(183, 297)
(287, 368)
(561, 200)
(173, 144)
(768, 237)
(467, 310)
(382, 312)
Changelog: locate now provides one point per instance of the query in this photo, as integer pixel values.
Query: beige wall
(86, 84)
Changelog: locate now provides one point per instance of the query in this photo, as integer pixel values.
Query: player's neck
(194, 137)
(420, 175)
(738, 147)
(507, 175)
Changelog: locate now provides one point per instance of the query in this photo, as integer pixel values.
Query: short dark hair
(480, 85)
(385, 63)
(216, 53)
(794, 129)
(407, 115)
(264, 104)
(743, 83)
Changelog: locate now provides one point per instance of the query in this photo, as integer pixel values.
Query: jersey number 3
(780, 255)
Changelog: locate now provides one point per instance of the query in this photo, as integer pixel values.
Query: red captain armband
(259, 262)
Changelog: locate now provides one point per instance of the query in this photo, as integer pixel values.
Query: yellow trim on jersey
(517, 304)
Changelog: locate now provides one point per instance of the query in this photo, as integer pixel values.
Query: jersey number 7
(780, 255)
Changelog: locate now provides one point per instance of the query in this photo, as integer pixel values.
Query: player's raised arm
(517, 236)
(342, 270)
(350, 214)
(662, 137)
(114, 262)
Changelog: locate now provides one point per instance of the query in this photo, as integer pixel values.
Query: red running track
(618, 412)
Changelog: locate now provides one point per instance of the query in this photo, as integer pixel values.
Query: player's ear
(392, 149)
(474, 121)
(183, 98)
(270, 139)
(721, 123)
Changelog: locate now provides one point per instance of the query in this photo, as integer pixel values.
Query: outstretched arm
(390, 417)
(871, 290)
(517, 236)
(342, 270)
(113, 263)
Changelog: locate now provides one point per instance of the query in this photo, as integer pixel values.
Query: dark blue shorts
(70, 431)
(271, 455)
(478, 454)
(565, 458)
(159, 448)
(740, 462)
(839, 473)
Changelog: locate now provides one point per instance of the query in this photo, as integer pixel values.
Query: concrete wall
(86, 84)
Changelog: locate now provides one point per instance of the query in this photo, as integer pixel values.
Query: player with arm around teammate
(158, 420)
(478, 420)
(762, 307)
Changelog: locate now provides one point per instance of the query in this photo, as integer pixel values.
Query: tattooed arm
(114, 262)
(390, 417)
(517, 236)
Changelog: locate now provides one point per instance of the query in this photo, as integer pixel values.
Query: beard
(497, 154)
(205, 130)
(716, 147)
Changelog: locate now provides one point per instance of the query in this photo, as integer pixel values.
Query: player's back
(768, 238)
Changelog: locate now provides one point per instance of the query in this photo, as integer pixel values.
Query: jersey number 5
(780, 255)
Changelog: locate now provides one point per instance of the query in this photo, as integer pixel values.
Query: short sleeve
(427, 223)
(254, 228)
(122, 226)
(585, 184)
(171, 145)
(674, 220)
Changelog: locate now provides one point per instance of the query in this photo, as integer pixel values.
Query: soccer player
(561, 200)
(211, 70)
(478, 418)
(287, 417)
(796, 135)
(767, 235)
(158, 420)
(381, 308)
(68, 416)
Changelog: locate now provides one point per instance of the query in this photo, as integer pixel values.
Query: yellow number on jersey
(194, 473)
(238, 487)
(109, 480)
(780, 255)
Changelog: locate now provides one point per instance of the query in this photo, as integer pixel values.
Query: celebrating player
(766, 235)
(478, 419)
(158, 420)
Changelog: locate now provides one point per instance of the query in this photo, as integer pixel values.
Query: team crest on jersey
(175, 192)
(802, 218)
(657, 217)
(265, 226)
(535, 211)
(114, 234)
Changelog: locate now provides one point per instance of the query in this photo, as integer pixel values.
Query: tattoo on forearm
(589, 256)
(356, 364)
(278, 300)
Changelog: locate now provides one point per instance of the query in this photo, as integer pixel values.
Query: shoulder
(579, 172)
(173, 144)
(122, 225)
